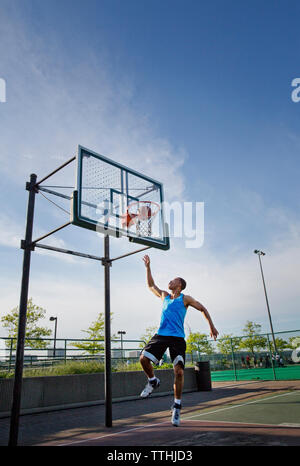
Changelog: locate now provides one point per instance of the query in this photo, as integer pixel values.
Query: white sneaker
(176, 414)
(150, 387)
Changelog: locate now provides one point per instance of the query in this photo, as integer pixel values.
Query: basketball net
(140, 213)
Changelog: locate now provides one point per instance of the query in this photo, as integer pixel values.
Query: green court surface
(278, 409)
(278, 373)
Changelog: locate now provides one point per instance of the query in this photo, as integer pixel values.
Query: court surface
(264, 413)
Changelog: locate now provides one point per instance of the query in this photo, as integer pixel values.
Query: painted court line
(290, 424)
(239, 405)
(184, 419)
(115, 433)
(233, 423)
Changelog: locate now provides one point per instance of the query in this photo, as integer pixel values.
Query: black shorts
(158, 344)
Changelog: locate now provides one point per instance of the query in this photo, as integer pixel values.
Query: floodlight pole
(26, 245)
(55, 330)
(108, 390)
(261, 253)
(121, 332)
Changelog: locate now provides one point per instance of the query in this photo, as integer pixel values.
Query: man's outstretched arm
(189, 301)
(150, 282)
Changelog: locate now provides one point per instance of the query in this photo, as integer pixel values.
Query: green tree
(149, 332)
(35, 313)
(199, 342)
(95, 340)
(280, 344)
(253, 342)
(294, 342)
(226, 342)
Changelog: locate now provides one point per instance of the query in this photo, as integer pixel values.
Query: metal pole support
(267, 302)
(17, 389)
(108, 390)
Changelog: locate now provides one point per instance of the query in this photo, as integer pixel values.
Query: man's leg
(178, 388)
(152, 352)
(147, 366)
(177, 353)
(178, 381)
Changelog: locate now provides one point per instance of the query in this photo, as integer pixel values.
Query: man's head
(177, 284)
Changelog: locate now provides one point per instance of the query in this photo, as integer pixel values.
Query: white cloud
(12, 232)
(73, 104)
(231, 290)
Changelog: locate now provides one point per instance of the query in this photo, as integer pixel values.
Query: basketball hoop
(140, 213)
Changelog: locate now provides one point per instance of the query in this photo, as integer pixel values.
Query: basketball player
(170, 335)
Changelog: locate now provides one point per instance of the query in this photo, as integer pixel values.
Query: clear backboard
(113, 199)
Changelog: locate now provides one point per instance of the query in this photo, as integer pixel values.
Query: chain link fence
(250, 357)
(254, 357)
(49, 351)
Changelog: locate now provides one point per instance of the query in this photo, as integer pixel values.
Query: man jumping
(170, 335)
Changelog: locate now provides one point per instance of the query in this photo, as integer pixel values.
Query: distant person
(170, 335)
(260, 361)
(268, 363)
(243, 362)
(248, 361)
(255, 361)
(273, 359)
(281, 362)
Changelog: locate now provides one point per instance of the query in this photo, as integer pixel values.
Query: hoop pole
(55, 193)
(108, 390)
(69, 251)
(17, 389)
(64, 196)
(130, 253)
(50, 233)
(55, 171)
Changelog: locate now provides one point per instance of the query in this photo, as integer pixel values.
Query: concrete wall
(66, 391)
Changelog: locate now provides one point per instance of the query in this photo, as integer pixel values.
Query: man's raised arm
(189, 301)
(150, 282)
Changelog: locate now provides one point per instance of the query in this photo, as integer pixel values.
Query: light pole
(261, 253)
(55, 329)
(121, 332)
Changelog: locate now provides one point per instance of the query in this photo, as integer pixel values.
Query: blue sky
(202, 90)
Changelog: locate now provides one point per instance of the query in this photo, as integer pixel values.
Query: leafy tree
(294, 342)
(149, 332)
(199, 342)
(95, 338)
(226, 342)
(35, 313)
(253, 341)
(280, 344)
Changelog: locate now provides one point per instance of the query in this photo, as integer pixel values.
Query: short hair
(183, 283)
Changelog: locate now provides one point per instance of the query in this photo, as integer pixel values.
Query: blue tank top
(172, 318)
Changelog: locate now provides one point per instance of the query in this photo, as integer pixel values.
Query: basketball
(144, 212)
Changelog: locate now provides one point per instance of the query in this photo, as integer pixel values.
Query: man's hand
(146, 260)
(150, 282)
(213, 332)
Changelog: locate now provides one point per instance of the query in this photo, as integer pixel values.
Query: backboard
(116, 200)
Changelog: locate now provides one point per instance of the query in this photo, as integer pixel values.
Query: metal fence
(253, 357)
(49, 351)
(250, 357)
